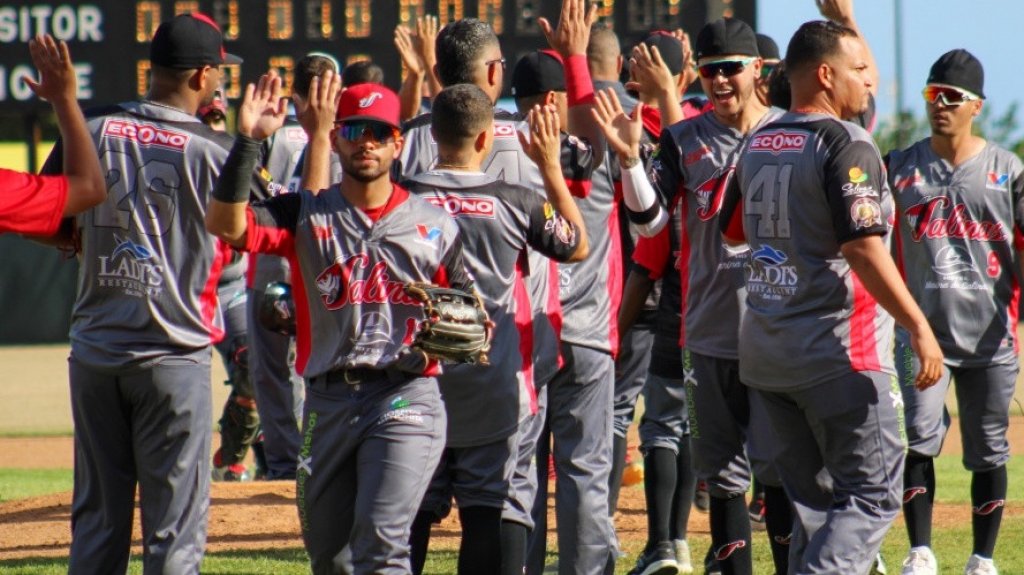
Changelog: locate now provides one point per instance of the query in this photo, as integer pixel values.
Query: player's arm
(650, 254)
(410, 94)
(261, 113)
(317, 119)
(859, 225)
(841, 12)
(570, 40)
(645, 211)
(544, 148)
(57, 84)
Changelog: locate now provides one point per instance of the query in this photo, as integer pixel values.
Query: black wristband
(233, 185)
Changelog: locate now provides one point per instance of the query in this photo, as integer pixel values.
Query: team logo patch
(398, 410)
(989, 507)
(913, 492)
(952, 261)
(355, 281)
(711, 194)
(504, 131)
(857, 175)
(465, 205)
(725, 551)
(939, 217)
(908, 181)
(133, 268)
(696, 155)
(778, 142)
(146, 134)
(137, 251)
(997, 181)
(296, 135)
(369, 99)
(866, 213)
(323, 232)
(427, 232)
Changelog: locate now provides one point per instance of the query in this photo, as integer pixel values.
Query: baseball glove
(456, 328)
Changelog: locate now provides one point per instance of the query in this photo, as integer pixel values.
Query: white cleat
(978, 565)
(920, 561)
(683, 559)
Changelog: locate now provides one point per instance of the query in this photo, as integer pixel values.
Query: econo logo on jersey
(778, 141)
(468, 206)
(146, 135)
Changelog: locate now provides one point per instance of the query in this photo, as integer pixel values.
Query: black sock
(757, 489)
(513, 547)
(730, 534)
(419, 540)
(778, 519)
(686, 486)
(615, 478)
(918, 499)
(659, 487)
(988, 497)
(480, 551)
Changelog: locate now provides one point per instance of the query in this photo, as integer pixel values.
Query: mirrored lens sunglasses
(727, 68)
(353, 131)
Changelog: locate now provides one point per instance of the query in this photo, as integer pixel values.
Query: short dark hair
(779, 94)
(309, 67)
(813, 42)
(458, 113)
(362, 72)
(459, 45)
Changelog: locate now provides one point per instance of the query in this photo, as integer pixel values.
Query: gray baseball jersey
(498, 222)
(808, 183)
(958, 232)
(509, 163)
(349, 296)
(696, 160)
(148, 283)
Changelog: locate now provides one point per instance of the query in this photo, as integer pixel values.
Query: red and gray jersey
(696, 160)
(498, 222)
(508, 162)
(958, 237)
(809, 183)
(147, 283)
(31, 204)
(659, 257)
(348, 272)
(281, 158)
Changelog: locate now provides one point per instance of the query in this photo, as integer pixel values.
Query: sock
(659, 488)
(615, 478)
(988, 497)
(918, 499)
(757, 489)
(730, 534)
(419, 540)
(513, 548)
(778, 519)
(686, 486)
(480, 551)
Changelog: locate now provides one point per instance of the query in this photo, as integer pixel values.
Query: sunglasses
(353, 131)
(727, 68)
(501, 61)
(767, 69)
(949, 95)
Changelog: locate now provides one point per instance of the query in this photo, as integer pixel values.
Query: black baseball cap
(538, 72)
(670, 48)
(959, 68)
(724, 37)
(767, 48)
(189, 41)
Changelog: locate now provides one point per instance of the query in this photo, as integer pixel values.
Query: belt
(358, 375)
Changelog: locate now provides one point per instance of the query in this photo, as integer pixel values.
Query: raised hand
(425, 40)
(622, 132)
(263, 109)
(689, 69)
(839, 11)
(56, 74)
(316, 114)
(544, 145)
(650, 74)
(573, 32)
(410, 57)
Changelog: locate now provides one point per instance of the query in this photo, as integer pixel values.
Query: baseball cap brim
(377, 119)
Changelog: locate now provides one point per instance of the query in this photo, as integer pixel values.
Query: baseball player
(696, 160)
(146, 314)
(821, 285)
(373, 421)
(279, 390)
(31, 204)
(498, 221)
(959, 213)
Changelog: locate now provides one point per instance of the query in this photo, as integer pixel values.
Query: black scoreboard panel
(109, 39)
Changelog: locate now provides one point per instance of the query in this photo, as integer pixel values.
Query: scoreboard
(109, 39)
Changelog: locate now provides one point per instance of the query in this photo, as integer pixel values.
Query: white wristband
(640, 198)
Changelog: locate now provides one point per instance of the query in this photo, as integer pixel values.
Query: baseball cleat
(682, 549)
(236, 472)
(658, 560)
(978, 565)
(920, 561)
(702, 499)
(756, 512)
(879, 568)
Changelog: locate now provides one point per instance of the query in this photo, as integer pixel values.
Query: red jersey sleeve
(31, 204)
(271, 225)
(652, 253)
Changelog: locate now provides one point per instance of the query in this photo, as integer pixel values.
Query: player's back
(147, 283)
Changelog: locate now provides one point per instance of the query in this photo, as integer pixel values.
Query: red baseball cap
(369, 102)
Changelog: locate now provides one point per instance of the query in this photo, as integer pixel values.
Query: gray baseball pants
(840, 452)
(148, 427)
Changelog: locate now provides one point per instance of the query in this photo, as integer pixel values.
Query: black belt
(358, 375)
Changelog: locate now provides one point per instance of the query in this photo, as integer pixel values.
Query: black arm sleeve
(233, 185)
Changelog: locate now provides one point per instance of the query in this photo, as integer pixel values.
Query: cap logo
(368, 101)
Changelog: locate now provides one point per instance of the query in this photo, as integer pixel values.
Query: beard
(365, 174)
